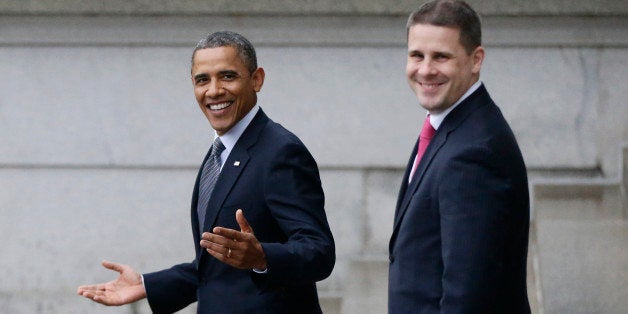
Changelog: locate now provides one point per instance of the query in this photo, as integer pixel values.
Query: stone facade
(102, 138)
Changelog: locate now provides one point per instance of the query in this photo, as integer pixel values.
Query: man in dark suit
(262, 239)
(460, 235)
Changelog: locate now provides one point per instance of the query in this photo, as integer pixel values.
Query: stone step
(331, 301)
(580, 243)
(367, 290)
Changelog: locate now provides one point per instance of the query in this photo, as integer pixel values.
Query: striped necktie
(210, 173)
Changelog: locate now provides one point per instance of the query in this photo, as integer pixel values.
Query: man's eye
(416, 56)
(229, 77)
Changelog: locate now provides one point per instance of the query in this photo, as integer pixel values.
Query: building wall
(101, 135)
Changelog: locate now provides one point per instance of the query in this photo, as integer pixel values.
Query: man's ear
(478, 57)
(258, 79)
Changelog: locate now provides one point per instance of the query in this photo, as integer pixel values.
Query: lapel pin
(237, 163)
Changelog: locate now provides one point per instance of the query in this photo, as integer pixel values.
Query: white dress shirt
(436, 119)
(231, 137)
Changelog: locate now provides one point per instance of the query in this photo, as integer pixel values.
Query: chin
(428, 104)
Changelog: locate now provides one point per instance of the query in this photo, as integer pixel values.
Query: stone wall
(101, 135)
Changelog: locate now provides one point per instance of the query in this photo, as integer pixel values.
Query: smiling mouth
(219, 106)
(431, 85)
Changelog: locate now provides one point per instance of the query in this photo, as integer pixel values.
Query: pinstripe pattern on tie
(210, 173)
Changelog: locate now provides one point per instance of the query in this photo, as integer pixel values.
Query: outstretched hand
(240, 249)
(125, 289)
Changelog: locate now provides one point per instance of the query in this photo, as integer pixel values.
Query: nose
(426, 68)
(214, 89)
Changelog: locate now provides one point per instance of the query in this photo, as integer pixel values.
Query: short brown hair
(451, 13)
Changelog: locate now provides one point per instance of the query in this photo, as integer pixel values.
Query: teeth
(220, 106)
(430, 85)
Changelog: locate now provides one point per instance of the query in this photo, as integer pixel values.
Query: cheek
(410, 69)
(241, 94)
(198, 95)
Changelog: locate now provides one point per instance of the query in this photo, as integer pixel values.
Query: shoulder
(275, 135)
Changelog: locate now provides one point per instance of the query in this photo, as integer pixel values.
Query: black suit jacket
(460, 237)
(272, 177)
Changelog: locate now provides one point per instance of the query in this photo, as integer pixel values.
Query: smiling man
(460, 234)
(225, 88)
(258, 221)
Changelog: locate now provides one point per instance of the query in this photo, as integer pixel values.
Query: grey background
(101, 138)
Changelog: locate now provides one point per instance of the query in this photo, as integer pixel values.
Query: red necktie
(427, 132)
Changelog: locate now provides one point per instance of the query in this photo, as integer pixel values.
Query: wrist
(261, 266)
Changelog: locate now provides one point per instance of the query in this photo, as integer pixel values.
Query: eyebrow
(221, 73)
(435, 53)
(445, 53)
(200, 76)
(229, 72)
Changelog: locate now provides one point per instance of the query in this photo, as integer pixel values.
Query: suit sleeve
(295, 198)
(160, 285)
(474, 209)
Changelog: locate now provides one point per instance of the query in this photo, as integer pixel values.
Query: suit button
(391, 258)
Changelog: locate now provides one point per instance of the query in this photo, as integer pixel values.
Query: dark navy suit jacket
(272, 177)
(460, 237)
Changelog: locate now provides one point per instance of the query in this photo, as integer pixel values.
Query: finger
(219, 254)
(234, 260)
(101, 300)
(88, 288)
(91, 294)
(215, 247)
(84, 289)
(229, 234)
(244, 224)
(94, 295)
(206, 235)
(218, 239)
(81, 289)
(99, 297)
(86, 294)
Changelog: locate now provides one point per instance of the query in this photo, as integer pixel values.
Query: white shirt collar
(230, 138)
(436, 119)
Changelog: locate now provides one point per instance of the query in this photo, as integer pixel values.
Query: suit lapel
(195, 223)
(404, 181)
(437, 142)
(226, 180)
(233, 167)
(477, 99)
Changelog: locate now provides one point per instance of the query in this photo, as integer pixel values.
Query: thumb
(244, 224)
(113, 266)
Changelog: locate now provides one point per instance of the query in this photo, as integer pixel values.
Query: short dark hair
(451, 13)
(243, 47)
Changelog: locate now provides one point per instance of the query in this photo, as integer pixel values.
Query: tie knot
(427, 131)
(218, 147)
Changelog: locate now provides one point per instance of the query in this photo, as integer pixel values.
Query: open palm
(125, 289)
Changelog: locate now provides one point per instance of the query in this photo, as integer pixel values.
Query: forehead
(432, 37)
(219, 58)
